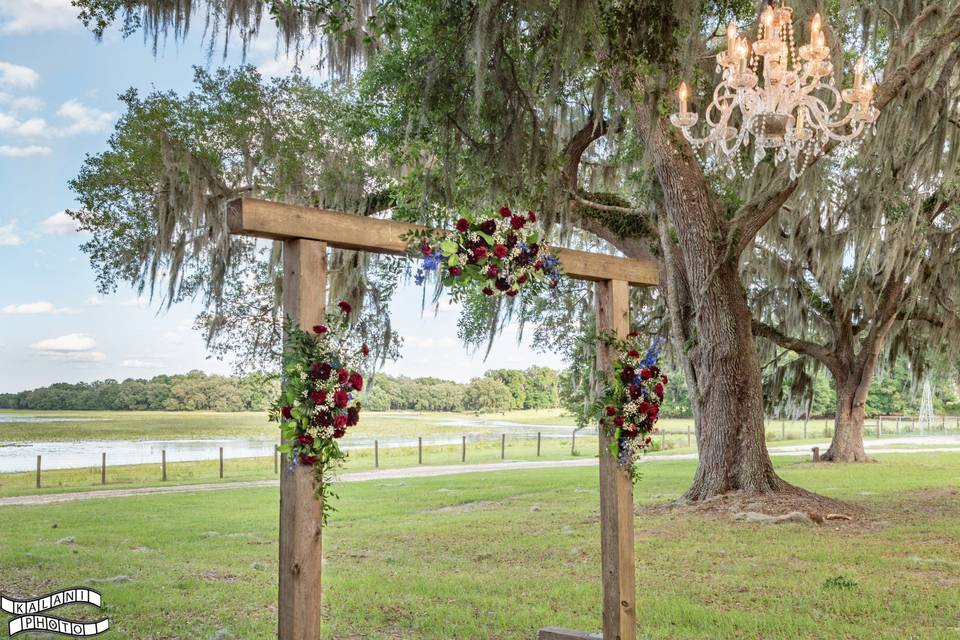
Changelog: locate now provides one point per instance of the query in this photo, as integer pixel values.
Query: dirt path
(411, 472)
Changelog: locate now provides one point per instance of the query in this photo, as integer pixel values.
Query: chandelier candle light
(791, 111)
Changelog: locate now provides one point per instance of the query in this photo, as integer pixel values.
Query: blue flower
(653, 353)
(420, 277)
(432, 261)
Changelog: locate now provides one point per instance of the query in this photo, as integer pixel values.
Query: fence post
(806, 418)
(38, 472)
(898, 425)
(103, 468)
(419, 449)
(463, 449)
(376, 454)
(573, 443)
(689, 439)
(663, 439)
(221, 463)
(163, 464)
(538, 444)
(879, 425)
(816, 454)
(503, 446)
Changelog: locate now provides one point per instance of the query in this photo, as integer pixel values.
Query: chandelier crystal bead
(777, 99)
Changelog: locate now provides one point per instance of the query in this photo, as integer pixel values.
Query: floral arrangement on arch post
(629, 408)
(499, 254)
(320, 397)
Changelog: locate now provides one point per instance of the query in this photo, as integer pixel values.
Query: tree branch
(803, 347)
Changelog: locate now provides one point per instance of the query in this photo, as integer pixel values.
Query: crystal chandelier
(770, 96)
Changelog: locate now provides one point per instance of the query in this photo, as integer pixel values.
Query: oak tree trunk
(847, 443)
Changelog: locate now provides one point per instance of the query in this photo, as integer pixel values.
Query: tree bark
(847, 442)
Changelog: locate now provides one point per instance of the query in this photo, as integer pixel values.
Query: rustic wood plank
(264, 219)
(301, 514)
(616, 488)
(558, 633)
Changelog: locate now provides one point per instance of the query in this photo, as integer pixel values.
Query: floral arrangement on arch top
(499, 254)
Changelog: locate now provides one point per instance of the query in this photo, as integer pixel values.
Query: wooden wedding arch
(306, 233)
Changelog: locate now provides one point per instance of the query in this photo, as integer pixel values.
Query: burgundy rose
(345, 306)
(511, 241)
(538, 265)
(512, 293)
(308, 459)
(321, 370)
(635, 391)
(318, 397)
(463, 225)
(286, 412)
(493, 272)
(618, 421)
(319, 329)
(340, 398)
(340, 421)
(628, 374)
(659, 390)
(531, 216)
(487, 291)
(343, 376)
(645, 406)
(534, 249)
(305, 438)
(353, 416)
(505, 212)
(502, 285)
(500, 251)
(480, 253)
(611, 411)
(356, 381)
(455, 271)
(517, 222)
(646, 374)
(632, 334)
(489, 227)
(633, 353)
(339, 432)
(323, 419)
(426, 249)
(629, 430)
(365, 350)
(522, 278)
(664, 379)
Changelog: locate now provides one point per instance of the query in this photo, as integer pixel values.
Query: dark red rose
(305, 438)
(343, 376)
(488, 227)
(633, 353)
(517, 222)
(323, 419)
(628, 374)
(426, 249)
(321, 370)
(500, 251)
(512, 240)
(522, 279)
(487, 291)
(493, 271)
(645, 406)
(339, 432)
(319, 329)
(654, 411)
(505, 212)
(554, 283)
(340, 398)
(647, 440)
(531, 216)
(646, 374)
(455, 271)
(618, 421)
(318, 397)
(286, 412)
(502, 285)
(463, 225)
(356, 381)
(664, 379)
(611, 411)
(365, 350)
(308, 459)
(632, 334)
(658, 390)
(534, 249)
(635, 391)
(345, 306)
(630, 430)
(353, 416)
(512, 293)
(340, 421)
(538, 265)
(655, 371)
(480, 253)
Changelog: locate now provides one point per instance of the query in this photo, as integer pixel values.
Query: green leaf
(449, 247)
(453, 260)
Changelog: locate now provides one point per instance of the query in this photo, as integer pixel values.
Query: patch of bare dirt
(467, 507)
(799, 506)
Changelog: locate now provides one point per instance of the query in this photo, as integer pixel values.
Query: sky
(58, 102)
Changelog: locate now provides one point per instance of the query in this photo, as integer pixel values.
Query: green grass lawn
(500, 555)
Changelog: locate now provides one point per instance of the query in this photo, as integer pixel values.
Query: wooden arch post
(306, 232)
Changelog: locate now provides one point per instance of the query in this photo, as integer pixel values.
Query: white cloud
(69, 342)
(32, 127)
(93, 301)
(32, 309)
(59, 224)
(9, 236)
(75, 357)
(83, 119)
(20, 104)
(33, 16)
(15, 75)
(139, 364)
(24, 152)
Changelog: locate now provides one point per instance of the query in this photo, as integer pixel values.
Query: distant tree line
(193, 391)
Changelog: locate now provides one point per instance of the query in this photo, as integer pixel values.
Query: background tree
(485, 395)
(481, 102)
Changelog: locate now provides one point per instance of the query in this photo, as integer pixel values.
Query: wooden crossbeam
(264, 219)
